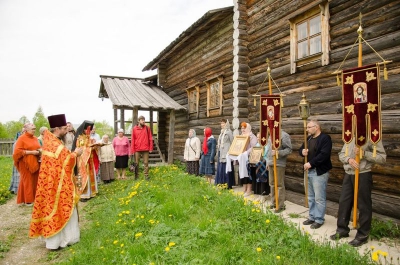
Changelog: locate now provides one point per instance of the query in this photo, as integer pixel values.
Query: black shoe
(338, 236)
(272, 206)
(83, 200)
(356, 242)
(308, 222)
(315, 225)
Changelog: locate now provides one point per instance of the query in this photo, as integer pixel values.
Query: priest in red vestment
(55, 215)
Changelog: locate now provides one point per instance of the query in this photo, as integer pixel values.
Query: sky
(52, 52)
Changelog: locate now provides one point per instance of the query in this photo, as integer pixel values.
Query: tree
(104, 128)
(13, 127)
(40, 120)
(3, 132)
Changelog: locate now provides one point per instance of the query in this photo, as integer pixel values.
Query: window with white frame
(309, 37)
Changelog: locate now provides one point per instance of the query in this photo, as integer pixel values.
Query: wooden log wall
(269, 37)
(206, 57)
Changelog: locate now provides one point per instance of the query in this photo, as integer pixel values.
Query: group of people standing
(200, 160)
(59, 168)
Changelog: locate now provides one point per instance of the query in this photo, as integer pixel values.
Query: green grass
(6, 164)
(179, 219)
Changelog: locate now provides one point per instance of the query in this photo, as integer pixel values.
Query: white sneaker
(246, 194)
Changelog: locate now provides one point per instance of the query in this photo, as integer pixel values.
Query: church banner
(361, 105)
(270, 118)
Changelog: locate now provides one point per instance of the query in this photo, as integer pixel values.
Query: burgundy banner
(361, 105)
(270, 118)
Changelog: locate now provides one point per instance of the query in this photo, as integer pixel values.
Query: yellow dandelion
(133, 220)
(170, 215)
(258, 210)
(375, 256)
(259, 249)
(167, 249)
(127, 212)
(278, 257)
(138, 235)
(101, 247)
(383, 253)
(142, 216)
(123, 251)
(171, 244)
(115, 242)
(120, 214)
(372, 247)
(267, 221)
(253, 210)
(122, 245)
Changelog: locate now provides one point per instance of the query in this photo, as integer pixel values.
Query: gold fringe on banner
(338, 80)
(374, 151)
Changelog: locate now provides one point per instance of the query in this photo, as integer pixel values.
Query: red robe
(27, 166)
(56, 194)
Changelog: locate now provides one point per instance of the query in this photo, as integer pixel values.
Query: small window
(193, 99)
(214, 97)
(309, 37)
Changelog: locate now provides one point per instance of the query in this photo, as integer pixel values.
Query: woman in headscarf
(207, 165)
(247, 180)
(224, 142)
(192, 153)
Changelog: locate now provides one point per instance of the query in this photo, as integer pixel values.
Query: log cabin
(216, 66)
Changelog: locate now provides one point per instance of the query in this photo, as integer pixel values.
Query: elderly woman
(192, 153)
(224, 142)
(107, 159)
(207, 165)
(247, 180)
(26, 155)
(122, 148)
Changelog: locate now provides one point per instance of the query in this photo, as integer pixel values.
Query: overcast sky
(52, 52)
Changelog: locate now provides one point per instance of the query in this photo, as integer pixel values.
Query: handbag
(132, 166)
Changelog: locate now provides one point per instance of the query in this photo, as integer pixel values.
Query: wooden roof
(206, 22)
(128, 92)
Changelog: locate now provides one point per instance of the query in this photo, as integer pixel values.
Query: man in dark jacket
(318, 166)
(141, 144)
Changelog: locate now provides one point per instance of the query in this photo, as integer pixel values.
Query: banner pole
(357, 171)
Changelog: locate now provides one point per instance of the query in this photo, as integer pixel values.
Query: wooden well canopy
(128, 93)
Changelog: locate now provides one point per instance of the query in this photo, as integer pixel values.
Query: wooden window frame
(323, 11)
(214, 111)
(196, 91)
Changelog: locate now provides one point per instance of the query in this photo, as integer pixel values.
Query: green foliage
(3, 132)
(104, 128)
(40, 120)
(382, 229)
(176, 218)
(6, 164)
(13, 127)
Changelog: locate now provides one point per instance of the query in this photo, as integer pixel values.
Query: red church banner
(361, 105)
(270, 118)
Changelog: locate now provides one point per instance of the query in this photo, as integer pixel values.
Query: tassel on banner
(361, 153)
(281, 103)
(385, 73)
(276, 153)
(374, 151)
(346, 151)
(255, 103)
(338, 80)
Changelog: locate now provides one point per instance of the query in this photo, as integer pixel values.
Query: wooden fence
(6, 147)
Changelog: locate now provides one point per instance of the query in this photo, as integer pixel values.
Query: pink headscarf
(207, 133)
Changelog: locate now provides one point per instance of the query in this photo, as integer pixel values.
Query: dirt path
(14, 227)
